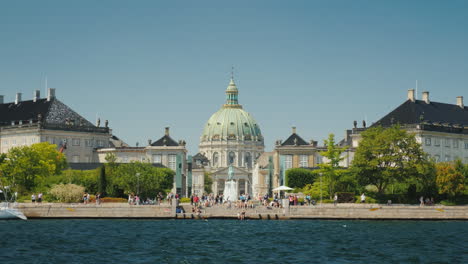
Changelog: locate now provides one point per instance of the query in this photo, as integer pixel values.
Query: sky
(316, 65)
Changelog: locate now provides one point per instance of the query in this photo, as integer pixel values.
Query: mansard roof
(42, 110)
(419, 111)
(166, 140)
(294, 140)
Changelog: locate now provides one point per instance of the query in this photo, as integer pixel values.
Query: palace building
(441, 128)
(24, 123)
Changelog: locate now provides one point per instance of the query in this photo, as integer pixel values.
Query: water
(230, 191)
(229, 241)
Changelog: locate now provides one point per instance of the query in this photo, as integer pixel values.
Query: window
(447, 158)
(466, 144)
(125, 159)
(76, 158)
(248, 160)
(76, 142)
(447, 142)
(88, 142)
(231, 157)
(303, 161)
(215, 159)
(172, 162)
(436, 142)
(437, 158)
(157, 158)
(100, 143)
(428, 141)
(87, 158)
(288, 161)
(455, 143)
(5, 142)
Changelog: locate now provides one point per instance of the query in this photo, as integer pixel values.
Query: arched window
(215, 159)
(231, 158)
(248, 160)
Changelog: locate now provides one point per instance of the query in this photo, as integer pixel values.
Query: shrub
(345, 197)
(67, 193)
(299, 177)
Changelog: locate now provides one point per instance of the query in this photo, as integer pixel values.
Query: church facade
(231, 136)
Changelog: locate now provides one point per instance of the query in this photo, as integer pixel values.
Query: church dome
(231, 122)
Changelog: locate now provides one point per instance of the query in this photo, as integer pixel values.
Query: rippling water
(229, 241)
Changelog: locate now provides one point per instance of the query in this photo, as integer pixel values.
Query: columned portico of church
(241, 177)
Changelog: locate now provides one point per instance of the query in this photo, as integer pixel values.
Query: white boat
(10, 213)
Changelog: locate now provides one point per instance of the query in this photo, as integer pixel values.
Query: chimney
(425, 97)
(166, 132)
(294, 130)
(37, 95)
(1, 99)
(50, 94)
(411, 95)
(18, 98)
(460, 101)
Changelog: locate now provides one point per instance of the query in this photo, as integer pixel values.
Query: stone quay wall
(166, 211)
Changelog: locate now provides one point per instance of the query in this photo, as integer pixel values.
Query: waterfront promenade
(324, 211)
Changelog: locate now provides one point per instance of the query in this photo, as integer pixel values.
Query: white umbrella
(282, 188)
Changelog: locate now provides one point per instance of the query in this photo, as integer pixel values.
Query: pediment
(237, 171)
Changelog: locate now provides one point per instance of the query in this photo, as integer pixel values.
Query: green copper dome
(231, 122)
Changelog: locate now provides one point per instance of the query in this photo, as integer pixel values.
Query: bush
(184, 200)
(345, 197)
(447, 203)
(299, 177)
(67, 193)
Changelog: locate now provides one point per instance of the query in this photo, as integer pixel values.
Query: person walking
(33, 198)
(335, 199)
(363, 198)
(39, 198)
(421, 201)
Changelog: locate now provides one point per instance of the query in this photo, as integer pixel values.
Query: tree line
(40, 167)
(389, 164)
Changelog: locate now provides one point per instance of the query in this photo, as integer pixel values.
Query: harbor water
(229, 241)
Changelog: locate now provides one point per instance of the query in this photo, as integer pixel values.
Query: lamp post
(138, 183)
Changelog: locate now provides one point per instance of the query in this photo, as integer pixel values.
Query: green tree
(102, 183)
(26, 167)
(386, 156)
(148, 182)
(331, 165)
(450, 180)
(318, 189)
(208, 182)
(299, 177)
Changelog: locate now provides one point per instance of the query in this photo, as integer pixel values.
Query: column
(215, 186)
(237, 184)
(247, 187)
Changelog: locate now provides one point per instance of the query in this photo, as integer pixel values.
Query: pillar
(247, 187)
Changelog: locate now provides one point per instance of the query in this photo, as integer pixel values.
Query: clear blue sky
(317, 65)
